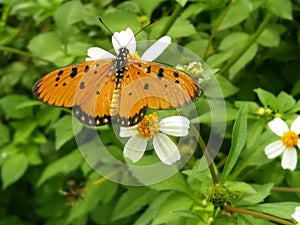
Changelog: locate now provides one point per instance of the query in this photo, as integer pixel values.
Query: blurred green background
(252, 44)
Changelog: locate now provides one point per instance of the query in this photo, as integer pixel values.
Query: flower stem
(257, 214)
(206, 154)
(251, 40)
(171, 20)
(23, 53)
(215, 29)
(5, 13)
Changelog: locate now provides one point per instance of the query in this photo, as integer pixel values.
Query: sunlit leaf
(13, 168)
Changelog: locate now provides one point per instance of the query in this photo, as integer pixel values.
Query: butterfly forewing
(87, 87)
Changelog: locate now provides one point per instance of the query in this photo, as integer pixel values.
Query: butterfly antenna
(144, 28)
(101, 21)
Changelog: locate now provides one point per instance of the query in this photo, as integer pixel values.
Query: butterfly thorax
(120, 66)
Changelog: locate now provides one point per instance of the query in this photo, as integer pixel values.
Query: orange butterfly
(118, 89)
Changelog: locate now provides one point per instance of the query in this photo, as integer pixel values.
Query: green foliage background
(253, 43)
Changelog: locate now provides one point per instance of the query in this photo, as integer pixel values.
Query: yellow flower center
(289, 139)
(134, 55)
(149, 126)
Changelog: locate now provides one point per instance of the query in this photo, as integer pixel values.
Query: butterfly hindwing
(86, 87)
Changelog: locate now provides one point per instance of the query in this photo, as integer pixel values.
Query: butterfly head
(124, 52)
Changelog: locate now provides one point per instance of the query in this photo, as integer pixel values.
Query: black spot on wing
(74, 72)
(146, 86)
(88, 119)
(60, 72)
(86, 69)
(82, 85)
(148, 69)
(176, 74)
(131, 121)
(160, 74)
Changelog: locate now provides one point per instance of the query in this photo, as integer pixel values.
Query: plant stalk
(171, 20)
(23, 53)
(251, 40)
(257, 214)
(206, 155)
(215, 29)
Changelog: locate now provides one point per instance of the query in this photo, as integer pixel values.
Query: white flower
(296, 214)
(287, 144)
(126, 39)
(149, 128)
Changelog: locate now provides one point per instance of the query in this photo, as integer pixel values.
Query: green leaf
(249, 219)
(238, 12)
(5, 134)
(228, 89)
(296, 88)
(33, 154)
(9, 105)
(217, 59)
(116, 22)
(234, 40)
(63, 131)
(285, 102)
(188, 214)
(236, 186)
(68, 14)
(24, 130)
(51, 52)
(296, 107)
(175, 202)
(281, 8)
(243, 60)
(13, 168)
(269, 37)
(180, 25)
(182, 2)
(293, 179)
(151, 211)
(62, 165)
(176, 183)
(250, 199)
(91, 199)
(47, 114)
(280, 209)
(132, 201)
(207, 117)
(238, 141)
(176, 30)
(266, 98)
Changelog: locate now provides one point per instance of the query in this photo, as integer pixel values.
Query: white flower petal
(124, 39)
(289, 159)
(296, 125)
(165, 149)
(177, 126)
(128, 131)
(135, 148)
(274, 149)
(278, 126)
(156, 49)
(98, 53)
(296, 214)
